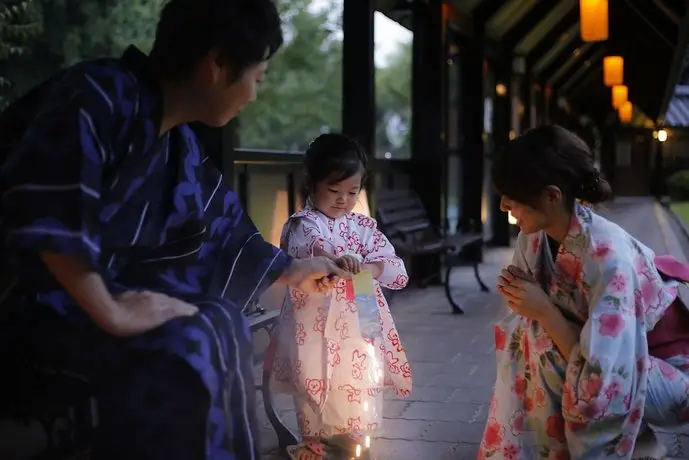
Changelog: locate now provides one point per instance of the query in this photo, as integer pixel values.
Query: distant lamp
(500, 89)
(620, 95)
(625, 112)
(593, 17)
(662, 135)
(613, 70)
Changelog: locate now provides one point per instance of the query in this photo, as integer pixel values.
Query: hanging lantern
(613, 70)
(594, 20)
(620, 95)
(625, 112)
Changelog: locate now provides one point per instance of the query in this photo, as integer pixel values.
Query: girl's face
(339, 198)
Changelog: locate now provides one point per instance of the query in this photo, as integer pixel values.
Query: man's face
(221, 98)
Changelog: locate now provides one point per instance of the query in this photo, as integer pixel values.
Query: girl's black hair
(333, 157)
(545, 156)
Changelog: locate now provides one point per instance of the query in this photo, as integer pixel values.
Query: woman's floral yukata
(591, 405)
(321, 365)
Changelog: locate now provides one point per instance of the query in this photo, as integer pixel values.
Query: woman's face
(531, 219)
(339, 198)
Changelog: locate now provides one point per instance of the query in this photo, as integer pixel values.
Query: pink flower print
(520, 385)
(539, 397)
(298, 298)
(668, 371)
(612, 390)
(510, 451)
(517, 423)
(635, 415)
(610, 324)
(591, 386)
(542, 344)
(392, 362)
(535, 244)
(618, 282)
(602, 250)
(555, 428)
(366, 222)
(570, 266)
(625, 446)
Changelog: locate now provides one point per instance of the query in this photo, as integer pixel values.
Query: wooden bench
(62, 402)
(402, 217)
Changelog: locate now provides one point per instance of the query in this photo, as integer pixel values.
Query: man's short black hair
(245, 32)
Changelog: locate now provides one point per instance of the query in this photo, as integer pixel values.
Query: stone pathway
(452, 356)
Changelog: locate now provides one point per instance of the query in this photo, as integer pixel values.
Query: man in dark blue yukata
(130, 259)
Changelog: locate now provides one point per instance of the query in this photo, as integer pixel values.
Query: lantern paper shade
(613, 70)
(625, 112)
(620, 95)
(594, 20)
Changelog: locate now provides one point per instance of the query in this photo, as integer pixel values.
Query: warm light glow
(593, 17)
(620, 95)
(500, 89)
(362, 206)
(662, 135)
(655, 134)
(613, 70)
(625, 112)
(511, 219)
(512, 135)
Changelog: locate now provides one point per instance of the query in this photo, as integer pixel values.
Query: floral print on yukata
(591, 405)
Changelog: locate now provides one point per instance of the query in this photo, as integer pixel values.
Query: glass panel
(453, 135)
(393, 58)
(301, 96)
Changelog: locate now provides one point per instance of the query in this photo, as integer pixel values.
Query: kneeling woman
(593, 348)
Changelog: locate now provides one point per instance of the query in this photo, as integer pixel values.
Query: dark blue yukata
(87, 173)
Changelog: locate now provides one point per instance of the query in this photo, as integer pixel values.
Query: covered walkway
(453, 377)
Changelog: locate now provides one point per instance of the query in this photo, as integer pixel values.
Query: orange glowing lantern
(613, 70)
(593, 17)
(625, 112)
(620, 95)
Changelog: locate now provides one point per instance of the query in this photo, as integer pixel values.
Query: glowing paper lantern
(625, 112)
(620, 95)
(613, 70)
(594, 20)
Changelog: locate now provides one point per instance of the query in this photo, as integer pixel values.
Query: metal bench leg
(484, 288)
(456, 309)
(285, 436)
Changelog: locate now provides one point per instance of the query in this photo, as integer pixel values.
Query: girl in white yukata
(597, 343)
(318, 353)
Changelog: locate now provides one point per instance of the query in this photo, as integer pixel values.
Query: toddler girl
(322, 370)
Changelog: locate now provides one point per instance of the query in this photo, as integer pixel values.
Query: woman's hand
(139, 312)
(349, 263)
(523, 294)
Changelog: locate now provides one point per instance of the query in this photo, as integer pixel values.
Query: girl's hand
(349, 263)
(523, 294)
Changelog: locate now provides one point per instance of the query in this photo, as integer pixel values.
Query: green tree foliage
(300, 98)
(19, 22)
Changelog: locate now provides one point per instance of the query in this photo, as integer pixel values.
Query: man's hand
(315, 275)
(139, 312)
(349, 263)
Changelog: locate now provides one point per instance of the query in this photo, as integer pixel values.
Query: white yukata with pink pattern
(319, 355)
(589, 405)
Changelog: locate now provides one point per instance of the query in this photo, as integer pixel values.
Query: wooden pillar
(427, 146)
(472, 123)
(502, 121)
(359, 73)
